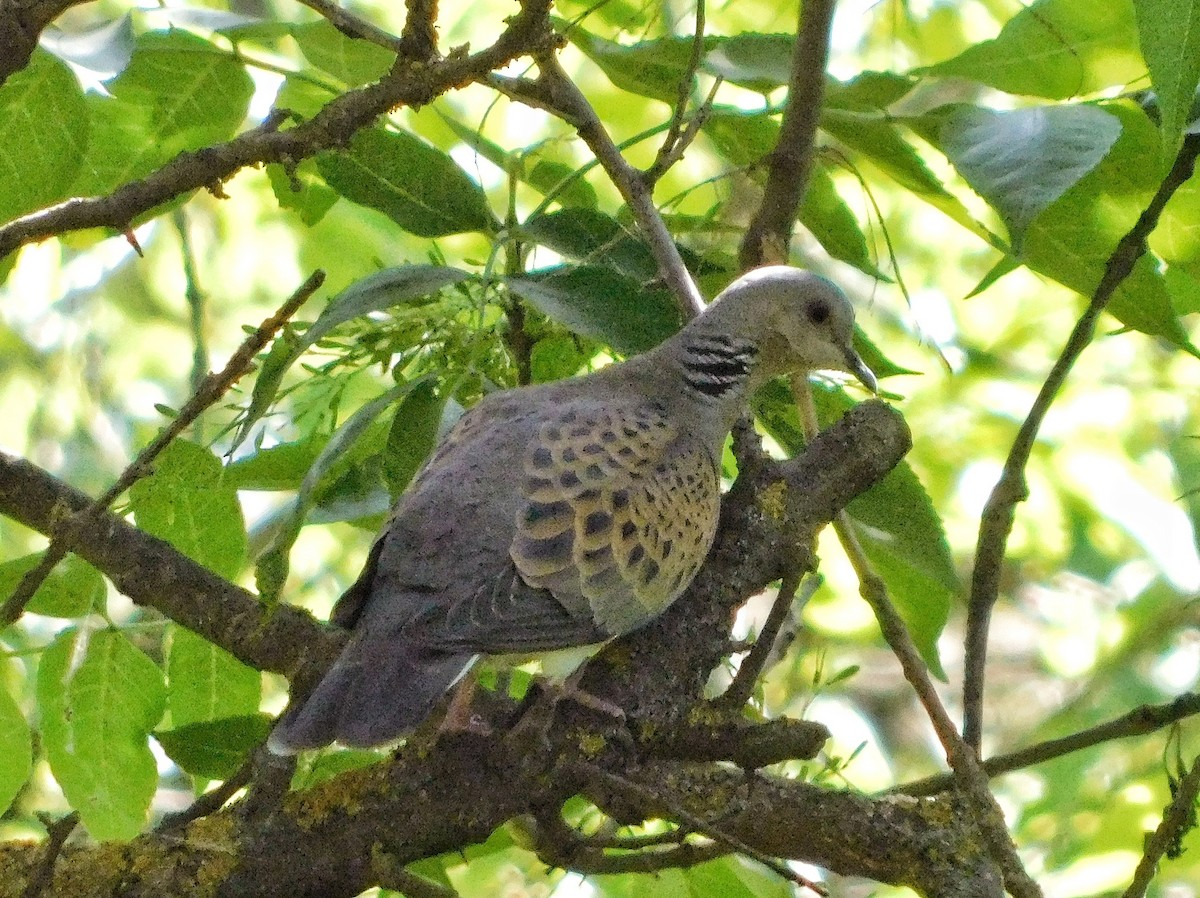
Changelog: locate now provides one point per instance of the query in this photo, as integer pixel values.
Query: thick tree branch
(408, 84)
(1000, 510)
(767, 237)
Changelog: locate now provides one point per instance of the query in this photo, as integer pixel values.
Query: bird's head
(800, 321)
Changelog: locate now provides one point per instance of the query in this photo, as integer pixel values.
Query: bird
(562, 514)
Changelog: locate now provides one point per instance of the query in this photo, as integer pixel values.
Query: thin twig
(555, 91)
(699, 825)
(999, 512)
(968, 775)
(353, 26)
(195, 299)
(766, 239)
(752, 665)
(559, 845)
(1137, 722)
(667, 159)
(210, 391)
(667, 155)
(210, 802)
(57, 834)
(391, 874)
(1180, 816)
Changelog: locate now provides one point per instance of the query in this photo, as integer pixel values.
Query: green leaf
(73, 588)
(587, 235)
(830, 220)
(379, 291)
(879, 141)
(187, 502)
(558, 181)
(96, 712)
(278, 467)
(1177, 239)
(649, 69)
(353, 62)
(215, 749)
(419, 187)
(1169, 34)
(374, 293)
(179, 92)
(758, 62)
(272, 568)
(205, 682)
(1021, 161)
(602, 304)
(303, 190)
(555, 180)
(16, 750)
(43, 135)
(881, 366)
(1055, 49)
(555, 357)
(743, 138)
(868, 91)
(1073, 239)
(412, 436)
(301, 97)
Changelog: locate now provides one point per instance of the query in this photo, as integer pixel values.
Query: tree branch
(408, 84)
(557, 93)
(21, 24)
(1000, 510)
(154, 573)
(353, 26)
(1138, 722)
(767, 237)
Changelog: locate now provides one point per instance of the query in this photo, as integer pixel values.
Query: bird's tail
(377, 691)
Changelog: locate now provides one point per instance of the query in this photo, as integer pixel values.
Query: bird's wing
(618, 511)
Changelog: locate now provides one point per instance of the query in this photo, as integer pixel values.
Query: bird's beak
(856, 366)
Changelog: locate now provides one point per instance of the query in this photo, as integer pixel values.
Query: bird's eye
(817, 311)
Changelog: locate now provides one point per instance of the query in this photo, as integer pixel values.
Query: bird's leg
(570, 690)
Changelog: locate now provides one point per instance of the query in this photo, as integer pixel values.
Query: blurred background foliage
(978, 161)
